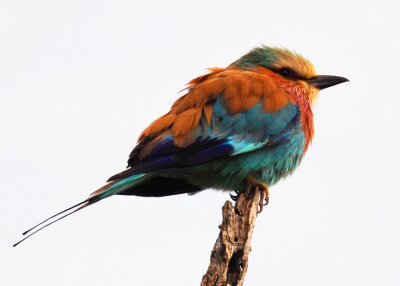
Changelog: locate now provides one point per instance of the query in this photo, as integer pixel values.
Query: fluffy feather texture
(252, 118)
(229, 116)
(226, 117)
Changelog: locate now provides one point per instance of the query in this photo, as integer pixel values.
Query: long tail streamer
(108, 190)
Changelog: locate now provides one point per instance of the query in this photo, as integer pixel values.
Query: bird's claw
(235, 197)
(263, 188)
(264, 199)
(257, 184)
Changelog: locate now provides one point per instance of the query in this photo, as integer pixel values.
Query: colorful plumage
(249, 123)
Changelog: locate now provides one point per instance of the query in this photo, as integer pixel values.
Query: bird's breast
(270, 164)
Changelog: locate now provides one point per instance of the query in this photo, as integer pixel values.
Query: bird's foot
(264, 193)
(254, 183)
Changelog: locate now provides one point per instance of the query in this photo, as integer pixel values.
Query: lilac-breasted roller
(248, 124)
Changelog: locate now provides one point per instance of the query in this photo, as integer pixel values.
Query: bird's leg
(264, 194)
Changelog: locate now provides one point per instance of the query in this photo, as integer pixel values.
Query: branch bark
(229, 257)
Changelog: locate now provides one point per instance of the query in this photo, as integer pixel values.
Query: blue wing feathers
(227, 135)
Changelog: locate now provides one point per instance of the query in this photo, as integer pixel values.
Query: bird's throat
(302, 97)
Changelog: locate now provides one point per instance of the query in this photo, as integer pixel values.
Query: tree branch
(229, 257)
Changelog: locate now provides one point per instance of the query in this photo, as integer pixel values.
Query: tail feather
(50, 223)
(112, 188)
(118, 186)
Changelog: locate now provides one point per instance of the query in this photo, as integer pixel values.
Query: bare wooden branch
(229, 257)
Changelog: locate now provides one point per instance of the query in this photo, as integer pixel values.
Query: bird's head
(288, 66)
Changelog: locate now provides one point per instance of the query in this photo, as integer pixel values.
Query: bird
(249, 124)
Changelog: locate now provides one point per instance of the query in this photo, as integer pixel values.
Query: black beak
(324, 81)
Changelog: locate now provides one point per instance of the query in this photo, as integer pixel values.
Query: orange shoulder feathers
(241, 90)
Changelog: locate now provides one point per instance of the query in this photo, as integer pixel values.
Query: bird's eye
(285, 72)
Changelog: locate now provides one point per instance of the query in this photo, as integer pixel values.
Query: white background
(79, 80)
